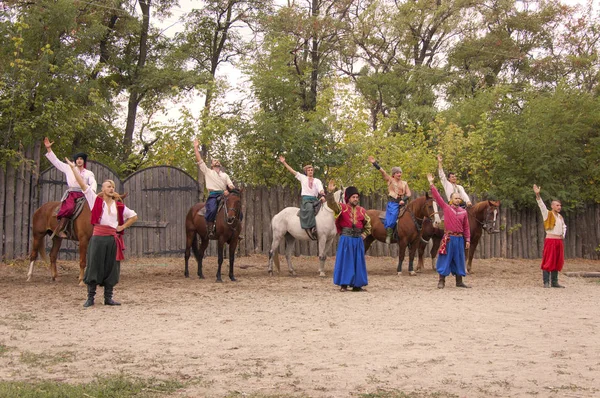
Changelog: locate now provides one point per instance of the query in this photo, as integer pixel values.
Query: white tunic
(560, 228)
(88, 176)
(215, 181)
(450, 188)
(317, 185)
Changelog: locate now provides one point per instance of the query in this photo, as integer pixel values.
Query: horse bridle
(488, 226)
(419, 221)
(237, 209)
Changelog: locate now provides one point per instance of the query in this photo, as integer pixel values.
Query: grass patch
(42, 360)
(3, 349)
(238, 394)
(114, 387)
(399, 394)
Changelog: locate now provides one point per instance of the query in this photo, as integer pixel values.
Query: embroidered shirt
(450, 188)
(307, 190)
(215, 181)
(108, 217)
(456, 219)
(347, 216)
(560, 228)
(87, 175)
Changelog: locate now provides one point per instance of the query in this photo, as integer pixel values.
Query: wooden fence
(162, 196)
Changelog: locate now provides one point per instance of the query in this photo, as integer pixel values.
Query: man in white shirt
(554, 252)
(312, 191)
(218, 183)
(73, 192)
(450, 185)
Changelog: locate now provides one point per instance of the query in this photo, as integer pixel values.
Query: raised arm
(52, 158)
(540, 202)
(441, 170)
(378, 167)
(287, 166)
(436, 195)
(197, 151)
(78, 177)
(333, 205)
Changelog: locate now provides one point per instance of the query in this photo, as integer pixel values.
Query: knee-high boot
(91, 289)
(441, 282)
(554, 283)
(108, 294)
(546, 278)
(460, 283)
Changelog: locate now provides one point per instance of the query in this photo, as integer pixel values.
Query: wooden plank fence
(162, 196)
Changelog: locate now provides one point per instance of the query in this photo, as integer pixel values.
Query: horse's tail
(195, 248)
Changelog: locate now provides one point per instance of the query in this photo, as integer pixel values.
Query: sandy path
(506, 337)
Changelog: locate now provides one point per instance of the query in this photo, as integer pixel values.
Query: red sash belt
(105, 230)
(446, 239)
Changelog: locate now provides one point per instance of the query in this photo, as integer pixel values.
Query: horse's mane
(479, 206)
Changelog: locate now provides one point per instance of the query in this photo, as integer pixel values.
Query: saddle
(220, 203)
(69, 227)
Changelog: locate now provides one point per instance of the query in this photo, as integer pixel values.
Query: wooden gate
(161, 196)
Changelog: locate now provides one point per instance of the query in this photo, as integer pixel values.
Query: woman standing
(110, 217)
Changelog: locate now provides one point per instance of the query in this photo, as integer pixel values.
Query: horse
(410, 225)
(44, 223)
(286, 224)
(228, 228)
(482, 216)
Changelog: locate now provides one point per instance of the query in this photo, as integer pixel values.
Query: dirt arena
(300, 336)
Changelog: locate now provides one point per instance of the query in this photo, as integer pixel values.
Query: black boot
(460, 283)
(108, 293)
(546, 277)
(554, 283)
(210, 226)
(442, 282)
(91, 293)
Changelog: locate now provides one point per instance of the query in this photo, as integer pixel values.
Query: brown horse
(482, 216)
(229, 226)
(409, 227)
(44, 223)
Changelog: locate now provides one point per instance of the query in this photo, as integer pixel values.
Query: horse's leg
(38, 244)
(412, 249)
(220, 247)
(83, 245)
(273, 252)
(200, 254)
(435, 246)
(190, 239)
(470, 253)
(56, 242)
(401, 250)
(232, 248)
(289, 247)
(322, 254)
(368, 241)
(421, 253)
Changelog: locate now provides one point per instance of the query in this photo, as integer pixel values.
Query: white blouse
(108, 217)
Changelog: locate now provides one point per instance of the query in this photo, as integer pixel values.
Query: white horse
(286, 224)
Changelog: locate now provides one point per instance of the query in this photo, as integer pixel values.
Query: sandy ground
(300, 336)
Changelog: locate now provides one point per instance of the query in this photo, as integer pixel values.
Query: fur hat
(396, 170)
(349, 192)
(82, 155)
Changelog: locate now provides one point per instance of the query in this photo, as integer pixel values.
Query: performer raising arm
(110, 217)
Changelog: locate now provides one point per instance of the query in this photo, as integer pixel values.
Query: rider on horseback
(312, 191)
(67, 206)
(398, 192)
(218, 183)
(450, 185)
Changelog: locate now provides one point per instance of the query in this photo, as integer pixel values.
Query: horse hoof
(400, 273)
(219, 281)
(200, 276)
(233, 279)
(81, 283)
(270, 273)
(29, 279)
(322, 274)
(412, 273)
